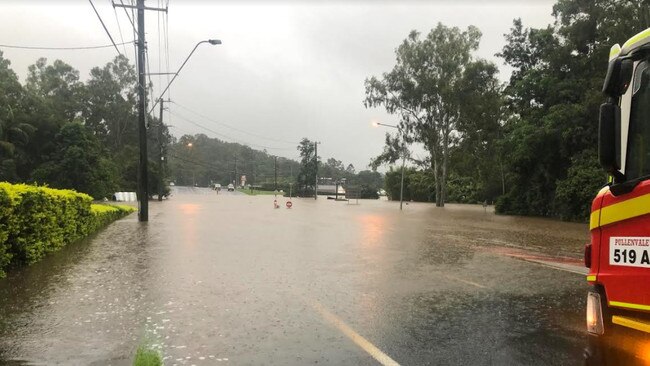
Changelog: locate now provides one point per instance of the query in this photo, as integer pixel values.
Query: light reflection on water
(373, 227)
(189, 222)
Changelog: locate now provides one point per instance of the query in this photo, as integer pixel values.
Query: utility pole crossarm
(137, 7)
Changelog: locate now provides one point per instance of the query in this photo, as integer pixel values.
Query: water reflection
(189, 211)
(373, 228)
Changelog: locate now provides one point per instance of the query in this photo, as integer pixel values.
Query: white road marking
(560, 266)
(355, 337)
(536, 258)
(463, 281)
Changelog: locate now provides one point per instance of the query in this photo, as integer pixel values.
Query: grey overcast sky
(285, 70)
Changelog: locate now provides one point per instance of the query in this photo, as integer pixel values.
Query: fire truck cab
(618, 255)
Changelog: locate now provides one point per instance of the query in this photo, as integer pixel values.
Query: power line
(235, 128)
(65, 48)
(128, 16)
(148, 70)
(197, 162)
(135, 35)
(215, 167)
(159, 47)
(166, 26)
(226, 136)
(104, 25)
(203, 127)
(119, 28)
(184, 131)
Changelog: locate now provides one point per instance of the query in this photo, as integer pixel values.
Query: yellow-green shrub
(36, 220)
(5, 216)
(105, 214)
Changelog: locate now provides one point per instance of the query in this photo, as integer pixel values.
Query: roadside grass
(145, 356)
(258, 193)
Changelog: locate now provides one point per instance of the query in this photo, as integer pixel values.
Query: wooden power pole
(161, 157)
(316, 162)
(143, 181)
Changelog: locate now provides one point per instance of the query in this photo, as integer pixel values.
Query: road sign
(289, 204)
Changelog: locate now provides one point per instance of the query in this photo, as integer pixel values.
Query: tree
(211, 160)
(553, 99)
(54, 97)
(78, 163)
(394, 148)
(308, 160)
(332, 168)
(477, 157)
(350, 169)
(334, 164)
(423, 90)
(369, 183)
(15, 131)
(369, 178)
(58, 87)
(111, 100)
(418, 184)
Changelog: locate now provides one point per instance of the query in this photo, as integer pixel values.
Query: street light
(213, 42)
(189, 144)
(401, 185)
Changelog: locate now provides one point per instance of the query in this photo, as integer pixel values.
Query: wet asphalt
(227, 279)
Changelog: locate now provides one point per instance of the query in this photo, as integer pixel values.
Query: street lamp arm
(387, 125)
(211, 41)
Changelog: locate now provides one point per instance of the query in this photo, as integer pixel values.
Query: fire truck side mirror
(608, 133)
(619, 75)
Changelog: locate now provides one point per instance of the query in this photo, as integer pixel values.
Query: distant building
(328, 186)
(330, 189)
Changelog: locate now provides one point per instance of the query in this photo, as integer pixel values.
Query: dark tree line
(201, 160)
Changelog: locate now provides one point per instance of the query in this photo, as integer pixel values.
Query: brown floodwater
(228, 279)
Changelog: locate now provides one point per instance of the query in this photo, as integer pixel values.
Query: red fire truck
(618, 256)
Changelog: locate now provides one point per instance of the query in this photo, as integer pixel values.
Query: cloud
(285, 70)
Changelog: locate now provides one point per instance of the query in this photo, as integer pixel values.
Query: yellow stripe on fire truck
(628, 209)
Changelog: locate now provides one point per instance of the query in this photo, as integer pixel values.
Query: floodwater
(227, 279)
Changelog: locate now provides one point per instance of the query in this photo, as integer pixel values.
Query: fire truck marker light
(594, 314)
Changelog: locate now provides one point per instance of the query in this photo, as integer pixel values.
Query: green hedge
(36, 220)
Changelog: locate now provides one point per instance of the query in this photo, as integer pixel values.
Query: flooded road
(226, 279)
